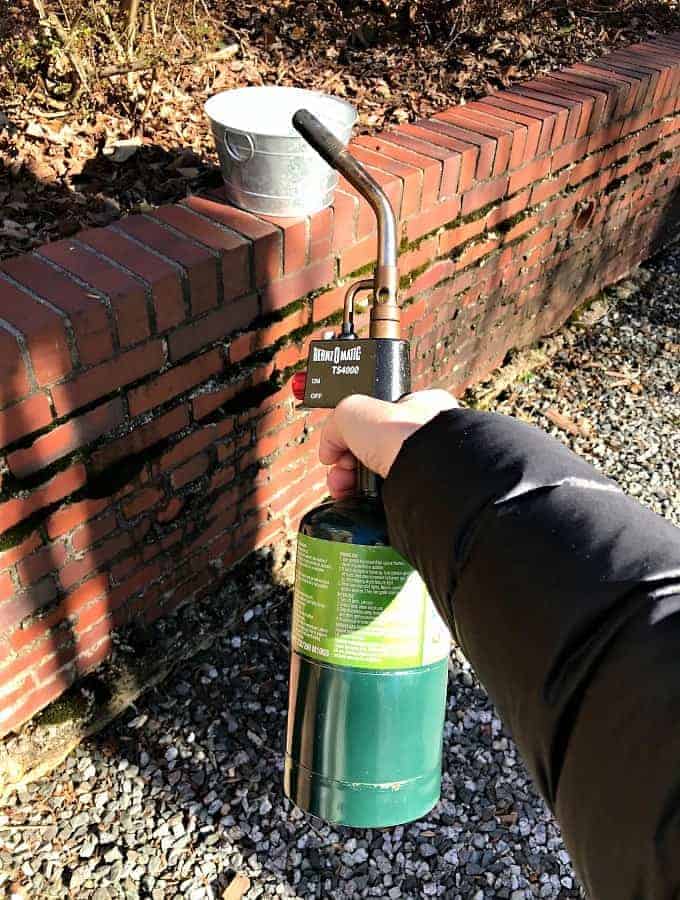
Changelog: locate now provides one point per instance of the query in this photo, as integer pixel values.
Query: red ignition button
(299, 383)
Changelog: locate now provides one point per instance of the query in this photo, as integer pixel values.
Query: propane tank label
(363, 607)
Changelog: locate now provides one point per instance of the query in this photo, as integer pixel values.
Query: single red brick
(549, 187)
(510, 142)
(23, 418)
(126, 295)
(215, 326)
(358, 255)
(86, 311)
(484, 194)
(242, 346)
(66, 438)
(522, 227)
(73, 572)
(432, 219)
(199, 263)
(454, 237)
(328, 303)
(141, 501)
(289, 355)
(411, 176)
(141, 438)
(16, 510)
(345, 212)
(321, 225)
(295, 234)
(163, 280)
(15, 609)
(474, 252)
(42, 562)
(321, 249)
(190, 471)
(365, 220)
(440, 271)
(94, 531)
(234, 251)
(14, 378)
(174, 381)
(43, 330)
(266, 238)
(569, 154)
(585, 169)
(108, 377)
(426, 252)
(531, 173)
(578, 115)
(280, 293)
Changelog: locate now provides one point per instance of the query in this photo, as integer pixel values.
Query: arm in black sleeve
(565, 596)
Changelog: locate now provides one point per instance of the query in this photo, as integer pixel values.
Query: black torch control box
(376, 367)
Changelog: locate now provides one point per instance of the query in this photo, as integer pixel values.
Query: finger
(341, 482)
(346, 461)
(332, 446)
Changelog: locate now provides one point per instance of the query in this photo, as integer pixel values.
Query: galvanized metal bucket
(266, 165)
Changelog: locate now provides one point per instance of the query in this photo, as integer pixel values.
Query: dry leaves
(140, 139)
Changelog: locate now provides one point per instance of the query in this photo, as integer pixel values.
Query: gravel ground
(183, 793)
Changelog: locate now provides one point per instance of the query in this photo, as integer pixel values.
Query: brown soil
(395, 61)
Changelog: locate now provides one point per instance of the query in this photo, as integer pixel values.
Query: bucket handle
(233, 152)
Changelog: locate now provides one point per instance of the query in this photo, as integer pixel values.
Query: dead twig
(217, 56)
(77, 64)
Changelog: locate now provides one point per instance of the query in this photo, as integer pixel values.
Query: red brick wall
(148, 435)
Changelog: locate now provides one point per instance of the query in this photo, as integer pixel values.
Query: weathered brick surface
(148, 436)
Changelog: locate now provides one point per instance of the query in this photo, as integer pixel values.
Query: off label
(363, 607)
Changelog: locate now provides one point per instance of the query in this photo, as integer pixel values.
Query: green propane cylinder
(368, 675)
(369, 652)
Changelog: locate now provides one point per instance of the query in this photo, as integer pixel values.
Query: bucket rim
(349, 122)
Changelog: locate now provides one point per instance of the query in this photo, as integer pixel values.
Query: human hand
(372, 431)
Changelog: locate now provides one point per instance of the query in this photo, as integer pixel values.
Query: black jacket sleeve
(564, 594)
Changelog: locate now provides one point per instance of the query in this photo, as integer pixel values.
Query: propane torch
(369, 652)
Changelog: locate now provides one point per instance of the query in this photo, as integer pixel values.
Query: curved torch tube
(385, 312)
